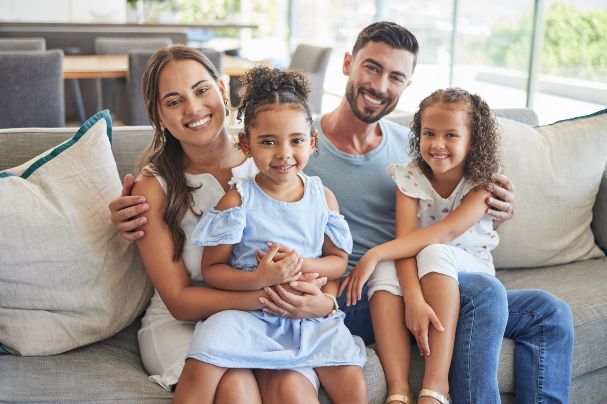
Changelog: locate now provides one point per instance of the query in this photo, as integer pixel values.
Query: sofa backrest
(20, 145)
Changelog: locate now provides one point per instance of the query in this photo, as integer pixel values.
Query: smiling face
(280, 143)
(445, 139)
(378, 74)
(190, 103)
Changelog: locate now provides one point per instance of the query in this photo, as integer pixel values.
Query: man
(356, 145)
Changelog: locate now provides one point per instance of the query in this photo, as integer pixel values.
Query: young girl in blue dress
(441, 220)
(264, 233)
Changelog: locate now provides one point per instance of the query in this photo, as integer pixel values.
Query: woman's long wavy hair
(484, 158)
(164, 154)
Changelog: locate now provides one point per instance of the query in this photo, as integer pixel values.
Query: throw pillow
(67, 278)
(556, 170)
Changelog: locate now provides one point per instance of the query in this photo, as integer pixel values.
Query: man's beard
(370, 116)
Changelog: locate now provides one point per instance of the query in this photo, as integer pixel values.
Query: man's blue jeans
(540, 324)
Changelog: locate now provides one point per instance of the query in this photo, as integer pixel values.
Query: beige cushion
(557, 170)
(67, 278)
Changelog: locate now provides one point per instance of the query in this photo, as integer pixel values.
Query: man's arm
(125, 209)
(501, 202)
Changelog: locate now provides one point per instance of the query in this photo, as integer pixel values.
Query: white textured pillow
(556, 170)
(67, 278)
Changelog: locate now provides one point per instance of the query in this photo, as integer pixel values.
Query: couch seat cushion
(582, 286)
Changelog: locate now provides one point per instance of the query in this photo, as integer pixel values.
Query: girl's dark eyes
(428, 134)
(201, 90)
(172, 103)
(299, 140)
(268, 142)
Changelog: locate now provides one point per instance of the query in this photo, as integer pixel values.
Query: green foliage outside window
(574, 44)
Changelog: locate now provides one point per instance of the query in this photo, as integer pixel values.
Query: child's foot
(398, 398)
(428, 396)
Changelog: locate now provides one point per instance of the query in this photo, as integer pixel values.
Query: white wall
(111, 11)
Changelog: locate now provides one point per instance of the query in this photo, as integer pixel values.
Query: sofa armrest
(599, 215)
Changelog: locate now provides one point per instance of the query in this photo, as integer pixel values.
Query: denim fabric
(358, 317)
(541, 326)
(478, 339)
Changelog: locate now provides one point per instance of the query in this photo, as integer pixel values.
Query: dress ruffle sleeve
(220, 227)
(339, 232)
(411, 181)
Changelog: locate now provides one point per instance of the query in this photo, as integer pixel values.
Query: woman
(184, 171)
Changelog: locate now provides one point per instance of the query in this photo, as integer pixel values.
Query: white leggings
(439, 258)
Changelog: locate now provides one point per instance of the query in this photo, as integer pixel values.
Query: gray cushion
(19, 145)
(599, 215)
(106, 371)
(582, 286)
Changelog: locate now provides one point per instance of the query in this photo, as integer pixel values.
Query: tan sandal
(435, 395)
(398, 397)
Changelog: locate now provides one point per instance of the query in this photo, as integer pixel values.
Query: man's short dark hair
(389, 33)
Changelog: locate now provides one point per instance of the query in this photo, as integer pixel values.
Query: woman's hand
(501, 202)
(419, 316)
(124, 210)
(354, 282)
(307, 301)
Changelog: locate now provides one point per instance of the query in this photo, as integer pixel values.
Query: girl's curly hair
(262, 86)
(484, 158)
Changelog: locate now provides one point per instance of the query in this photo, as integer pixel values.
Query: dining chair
(32, 86)
(136, 110)
(313, 61)
(215, 56)
(22, 44)
(115, 92)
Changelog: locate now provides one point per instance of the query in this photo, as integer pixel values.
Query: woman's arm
(217, 271)
(170, 278)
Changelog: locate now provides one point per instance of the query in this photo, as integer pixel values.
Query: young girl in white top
(300, 218)
(441, 220)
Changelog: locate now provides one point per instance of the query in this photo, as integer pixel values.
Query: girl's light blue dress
(255, 339)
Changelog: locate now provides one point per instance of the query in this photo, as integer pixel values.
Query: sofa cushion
(67, 278)
(582, 286)
(599, 215)
(21, 144)
(557, 170)
(108, 371)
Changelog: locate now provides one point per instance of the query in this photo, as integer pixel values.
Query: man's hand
(354, 282)
(501, 202)
(124, 208)
(307, 302)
